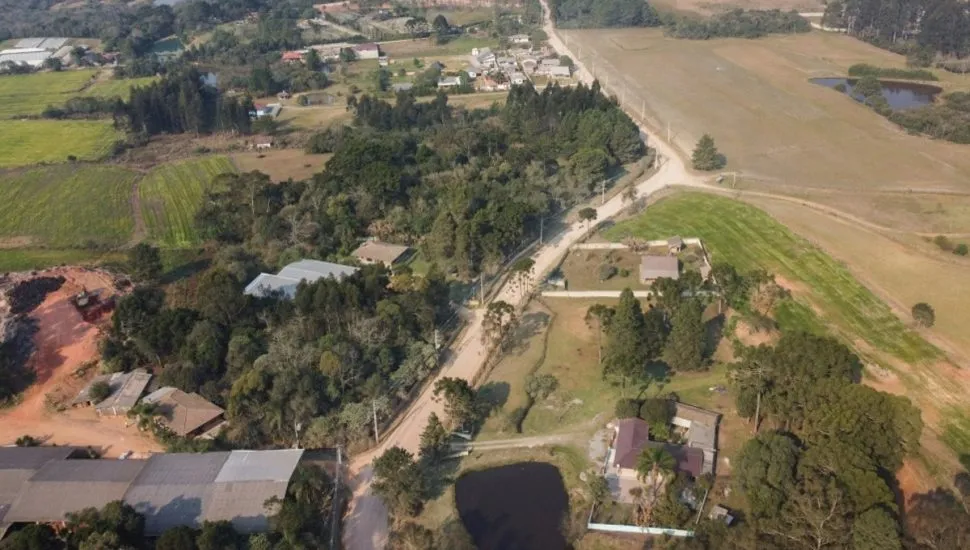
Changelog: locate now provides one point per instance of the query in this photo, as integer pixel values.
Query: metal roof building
(17, 465)
(290, 277)
(373, 252)
(185, 414)
(46, 43)
(126, 389)
(655, 267)
(32, 56)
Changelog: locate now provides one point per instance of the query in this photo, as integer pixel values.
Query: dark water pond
(516, 507)
(900, 95)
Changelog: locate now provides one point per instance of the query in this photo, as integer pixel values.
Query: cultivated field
(66, 205)
(29, 94)
(26, 259)
(26, 142)
(782, 132)
(171, 194)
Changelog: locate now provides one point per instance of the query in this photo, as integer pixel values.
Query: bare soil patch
(281, 164)
(64, 343)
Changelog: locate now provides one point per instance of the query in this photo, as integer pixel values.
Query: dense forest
(938, 26)
(181, 102)
(581, 14)
(467, 187)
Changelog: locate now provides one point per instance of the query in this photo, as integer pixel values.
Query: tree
(218, 535)
(625, 354)
(657, 411)
(685, 345)
(116, 518)
(588, 215)
(653, 463)
(521, 274)
(53, 63)
(924, 315)
(706, 156)
(499, 323)
(600, 315)
(434, 439)
(399, 482)
(99, 391)
(589, 165)
(411, 536)
(177, 538)
(875, 529)
(627, 408)
(27, 441)
(312, 61)
(961, 249)
(459, 397)
(144, 262)
(540, 386)
(938, 520)
(765, 472)
(34, 536)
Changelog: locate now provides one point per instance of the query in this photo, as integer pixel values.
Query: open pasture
(66, 206)
(171, 194)
(25, 142)
(782, 132)
(29, 94)
(112, 87)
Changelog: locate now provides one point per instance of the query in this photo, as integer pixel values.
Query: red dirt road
(64, 343)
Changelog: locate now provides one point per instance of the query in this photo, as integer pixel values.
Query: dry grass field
(281, 164)
(783, 133)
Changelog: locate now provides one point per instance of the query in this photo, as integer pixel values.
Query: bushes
(864, 69)
(924, 315)
(739, 23)
(606, 272)
(627, 408)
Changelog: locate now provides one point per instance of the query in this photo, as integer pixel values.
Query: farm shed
(655, 267)
(378, 252)
(185, 414)
(367, 51)
(126, 389)
(286, 281)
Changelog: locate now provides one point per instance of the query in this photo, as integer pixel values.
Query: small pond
(515, 507)
(900, 95)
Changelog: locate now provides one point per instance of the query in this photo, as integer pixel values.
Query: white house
(517, 78)
(519, 39)
(449, 81)
(559, 71)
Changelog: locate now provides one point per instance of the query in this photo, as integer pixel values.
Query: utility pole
(377, 435)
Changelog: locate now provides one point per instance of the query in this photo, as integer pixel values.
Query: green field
(120, 88)
(21, 259)
(170, 196)
(25, 142)
(67, 205)
(747, 237)
(29, 94)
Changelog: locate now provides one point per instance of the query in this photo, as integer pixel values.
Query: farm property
(66, 205)
(782, 132)
(25, 142)
(29, 94)
(171, 194)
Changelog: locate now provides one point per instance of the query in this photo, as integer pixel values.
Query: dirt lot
(64, 342)
(783, 133)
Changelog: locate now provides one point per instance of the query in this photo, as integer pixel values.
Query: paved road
(365, 525)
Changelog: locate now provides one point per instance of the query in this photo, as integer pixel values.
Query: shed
(721, 513)
(287, 280)
(185, 414)
(126, 389)
(374, 252)
(402, 86)
(369, 50)
(655, 267)
(559, 71)
(18, 465)
(675, 244)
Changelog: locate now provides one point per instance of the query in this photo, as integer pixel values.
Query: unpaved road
(518, 443)
(365, 525)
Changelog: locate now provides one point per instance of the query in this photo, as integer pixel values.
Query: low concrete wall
(634, 530)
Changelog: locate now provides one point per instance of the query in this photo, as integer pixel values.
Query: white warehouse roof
(290, 276)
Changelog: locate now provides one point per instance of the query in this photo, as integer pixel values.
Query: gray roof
(244, 504)
(17, 466)
(290, 276)
(260, 465)
(126, 388)
(31, 56)
(174, 489)
(379, 251)
(402, 86)
(655, 267)
(66, 486)
(675, 241)
(43, 42)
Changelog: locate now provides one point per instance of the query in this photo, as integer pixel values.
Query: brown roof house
(632, 437)
(186, 414)
(655, 267)
(378, 252)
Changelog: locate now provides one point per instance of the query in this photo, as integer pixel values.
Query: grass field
(67, 205)
(423, 47)
(25, 142)
(780, 131)
(171, 194)
(281, 164)
(29, 94)
(748, 238)
(38, 258)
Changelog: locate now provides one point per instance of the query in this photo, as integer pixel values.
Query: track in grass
(67, 205)
(171, 194)
(29, 94)
(749, 238)
(26, 142)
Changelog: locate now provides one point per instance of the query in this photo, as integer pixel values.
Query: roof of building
(516, 76)
(402, 86)
(696, 414)
(126, 388)
(31, 56)
(47, 43)
(65, 486)
(378, 251)
(366, 47)
(449, 81)
(259, 465)
(290, 277)
(18, 465)
(655, 267)
(632, 435)
(689, 460)
(559, 70)
(182, 412)
(675, 241)
(292, 56)
(551, 62)
(702, 433)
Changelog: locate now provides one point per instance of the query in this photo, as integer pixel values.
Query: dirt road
(366, 521)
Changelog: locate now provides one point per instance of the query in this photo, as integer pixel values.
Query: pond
(516, 507)
(900, 95)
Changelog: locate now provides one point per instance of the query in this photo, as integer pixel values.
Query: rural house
(378, 252)
(631, 437)
(126, 389)
(519, 39)
(449, 81)
(185, 414)
(369, 50)
(655, 267)
(285, 282)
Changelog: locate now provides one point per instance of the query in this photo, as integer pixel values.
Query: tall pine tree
(625, 355)
(685, 346)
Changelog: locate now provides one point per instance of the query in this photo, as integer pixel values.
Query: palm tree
(653, 461)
